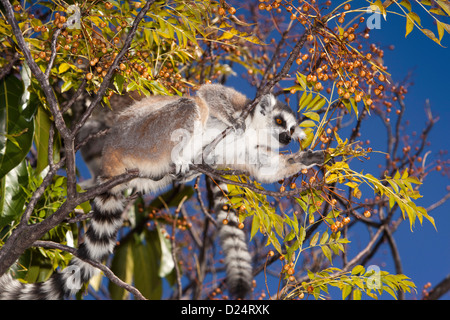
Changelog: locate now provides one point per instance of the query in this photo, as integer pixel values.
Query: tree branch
(439, 290)
(106, 271)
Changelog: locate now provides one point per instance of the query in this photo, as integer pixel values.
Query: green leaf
(123, 266)
(309, 138)
(167, 264)
(312, 115)
(66, 86)
(146, 256)
(305, 100)
(324, 238)
(302, 235)
(357, 294)
(307, 124)
(119, 80)
(63, 67)
(41, 135)
(314, 239)
(255, 226)
(346, 291)
(359, 269)
(16, 124)
(12, 194)
(327, 252)
(390, 291)
(317, 103)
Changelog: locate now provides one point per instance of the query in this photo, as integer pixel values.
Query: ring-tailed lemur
(162, 137)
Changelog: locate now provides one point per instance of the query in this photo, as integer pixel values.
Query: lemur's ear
(266, 104)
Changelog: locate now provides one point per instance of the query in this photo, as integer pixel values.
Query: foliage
(338, 76)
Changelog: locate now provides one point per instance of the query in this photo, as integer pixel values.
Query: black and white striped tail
(99, 242)
(234, 244)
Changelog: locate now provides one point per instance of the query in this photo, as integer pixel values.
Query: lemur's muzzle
(285, 138)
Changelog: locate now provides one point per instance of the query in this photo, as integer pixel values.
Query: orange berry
(225, 221)
(367, 214)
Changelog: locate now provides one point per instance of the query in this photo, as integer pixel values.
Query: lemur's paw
(310, 158)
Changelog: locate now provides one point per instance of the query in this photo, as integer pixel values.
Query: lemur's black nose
(285, 138)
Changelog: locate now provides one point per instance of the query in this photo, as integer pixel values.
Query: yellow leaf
(430, 35)
(409, 25)
(380, 6)
(406, 4)
(444, 4)
(63, 67)
(440, 28)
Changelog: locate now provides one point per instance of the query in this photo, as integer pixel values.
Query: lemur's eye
(292, 130)
(279, 121)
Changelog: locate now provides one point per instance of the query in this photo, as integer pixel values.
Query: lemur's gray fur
(162, 137)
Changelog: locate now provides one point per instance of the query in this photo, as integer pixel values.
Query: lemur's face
(273, 114)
